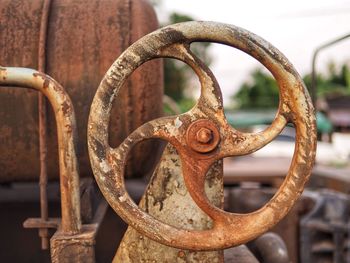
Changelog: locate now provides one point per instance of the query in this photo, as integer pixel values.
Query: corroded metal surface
(66, 132)
(202, 136)
(82, 40)
(245, 200)
(239, 254)
(269, 248)
(324, 231)
(168, 200)
(229, 229)
(74, 248)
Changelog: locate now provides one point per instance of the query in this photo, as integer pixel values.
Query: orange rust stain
(45, 79)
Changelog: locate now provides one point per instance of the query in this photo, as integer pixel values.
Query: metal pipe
(43, 232)
(313, 72)
(268, 248)
(66, 133)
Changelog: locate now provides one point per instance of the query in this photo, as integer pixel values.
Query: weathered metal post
(82, 40)
(168, 200)
(66, 132)
(43, 232)
(39, 34)
(72, 241)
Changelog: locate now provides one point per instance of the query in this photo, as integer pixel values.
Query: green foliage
(175, 79)
(176, 72)
(186, 104)
(260, 92)
(335, 82)
(177, 75)
(178, 18)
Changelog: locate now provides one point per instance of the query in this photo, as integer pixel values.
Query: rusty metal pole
(43, 232)
(313, 89)
(66, 133)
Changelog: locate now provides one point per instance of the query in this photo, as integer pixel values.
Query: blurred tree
(260, 92)
(177, 75)
(335, 82)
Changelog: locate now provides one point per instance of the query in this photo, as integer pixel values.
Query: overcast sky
(295, 27)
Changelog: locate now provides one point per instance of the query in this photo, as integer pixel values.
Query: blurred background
(315, 37)
(297, 29)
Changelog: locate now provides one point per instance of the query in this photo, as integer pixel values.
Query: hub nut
(203, 136)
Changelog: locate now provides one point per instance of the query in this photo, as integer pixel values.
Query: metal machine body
(75, 42)
(82, 39)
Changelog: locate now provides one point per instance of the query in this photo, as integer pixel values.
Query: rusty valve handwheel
(202, 136)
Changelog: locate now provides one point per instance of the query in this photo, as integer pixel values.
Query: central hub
(203, 136)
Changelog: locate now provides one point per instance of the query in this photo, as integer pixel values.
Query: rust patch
(203, 136)
(3, 73)
(66, 108)
(66, 130)
(44, 77)
(181, 254)
(162, 187)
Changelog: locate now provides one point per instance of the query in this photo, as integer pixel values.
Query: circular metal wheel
(202, 136)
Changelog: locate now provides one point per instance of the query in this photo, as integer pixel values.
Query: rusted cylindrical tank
(83, 39)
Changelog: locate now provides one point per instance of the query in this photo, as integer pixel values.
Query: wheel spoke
(210, 99)
(238, 143)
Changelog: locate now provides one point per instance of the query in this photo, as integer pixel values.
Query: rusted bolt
(181, 254)
(204, 135)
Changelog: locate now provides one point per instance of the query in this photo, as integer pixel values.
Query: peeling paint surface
(168, 200)
(83, 39)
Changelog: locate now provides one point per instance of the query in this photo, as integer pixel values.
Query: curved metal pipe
(66, 133)
(269, 248)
